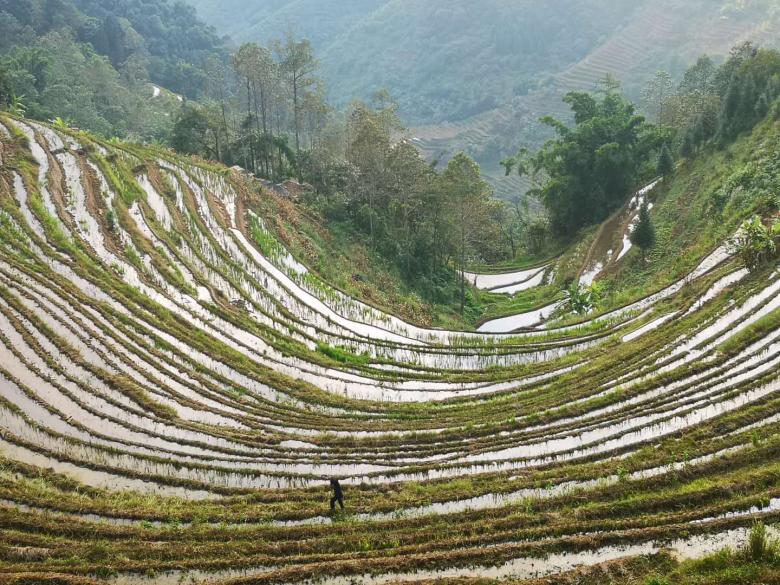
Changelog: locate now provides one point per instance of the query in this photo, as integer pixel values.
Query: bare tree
(298, 65)
(656, 94)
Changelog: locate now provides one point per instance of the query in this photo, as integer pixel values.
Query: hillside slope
(442, 60)
(668, 34)
(176, 390)
(263, 20)
(93, 62)
(478, 80)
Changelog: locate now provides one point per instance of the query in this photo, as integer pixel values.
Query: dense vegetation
(192, 343)
(716, 104)
(359, 168)
(264, 109)
(587, 171)
(91, 62)
(164, 38)
(423, 220)
(667, 34)
(590, 170)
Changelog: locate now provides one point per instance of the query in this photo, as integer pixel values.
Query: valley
(514, 321)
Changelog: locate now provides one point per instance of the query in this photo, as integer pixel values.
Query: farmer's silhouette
(338, 494)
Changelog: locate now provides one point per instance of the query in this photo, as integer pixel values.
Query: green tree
(537, 231)
(590, 169)
(643, 236)
(196, 131)
(752, 74)
(697, 84)
(469, 204)
(368, 147)
(256, 68)
(411, 207)
(657, 93)
(6, 93)
(756, 243)
(665, 162)
(581, 299)
(738, 56)
(512, 222)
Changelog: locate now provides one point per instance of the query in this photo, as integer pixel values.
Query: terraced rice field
(176, 391)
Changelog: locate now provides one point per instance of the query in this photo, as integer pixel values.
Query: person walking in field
(338, 495)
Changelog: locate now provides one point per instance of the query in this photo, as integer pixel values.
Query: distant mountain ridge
(442, 60)
(478, 80)
(320, 21)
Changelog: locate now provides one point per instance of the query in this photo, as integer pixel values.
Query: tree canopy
(90, 61)
(665, 161)
(643, 236)
(588, 170)
(716, 104)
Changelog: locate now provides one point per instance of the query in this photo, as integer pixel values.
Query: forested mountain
(664, 35)
(165, 34)
(477, 77)
(91, 61)
(441, 60)
(262, 20)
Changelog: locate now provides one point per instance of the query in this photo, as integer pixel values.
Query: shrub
(582, 299)
(536, 234)
(756, 243)
(342, 355)
(111, 220)
(643, 236)
(665, 162)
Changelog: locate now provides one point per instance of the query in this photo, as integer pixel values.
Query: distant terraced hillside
(667, 34)
(176, 390)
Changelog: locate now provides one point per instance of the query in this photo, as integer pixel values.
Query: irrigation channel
(167, 414)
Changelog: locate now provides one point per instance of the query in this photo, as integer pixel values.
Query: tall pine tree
(665, 162)
(643, 236)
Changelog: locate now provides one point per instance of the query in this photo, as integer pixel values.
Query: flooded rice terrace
(163, 388)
